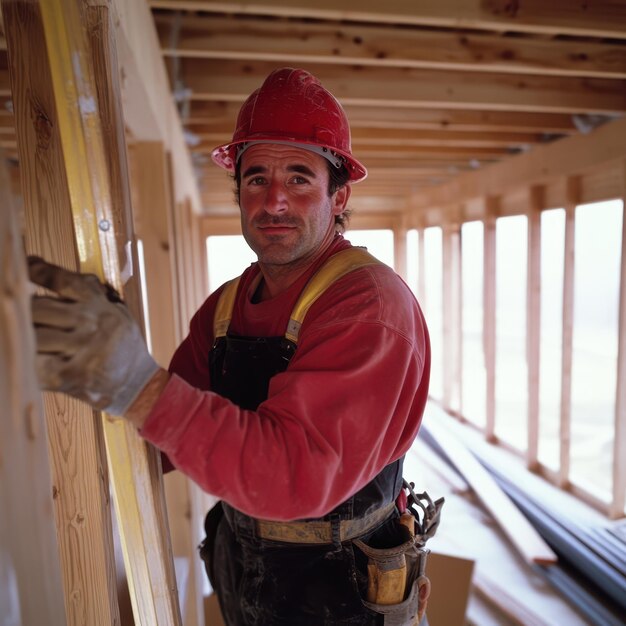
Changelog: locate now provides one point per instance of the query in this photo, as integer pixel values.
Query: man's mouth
(276, 228)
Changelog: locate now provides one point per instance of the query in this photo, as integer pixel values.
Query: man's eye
(256, 180)
(299, 180)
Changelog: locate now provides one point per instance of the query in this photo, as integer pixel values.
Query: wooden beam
(515, 526)
(406, 87)
(566, 157)
(220, 116)
(533, 322)
(415, 138)
(80, 474)
(489, 313)
(152, 203)
(29, 558)
(399, 249)
(153, 214)
(603, 18)
(565, 418)
(618, 504)
(291, 42)
(87, 95)
(421, 267)
(451, 316)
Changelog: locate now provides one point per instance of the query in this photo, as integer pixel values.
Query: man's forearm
(141, 407)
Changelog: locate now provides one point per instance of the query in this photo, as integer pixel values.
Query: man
(297, 391)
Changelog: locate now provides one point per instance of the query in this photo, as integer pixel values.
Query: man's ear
(340, 199)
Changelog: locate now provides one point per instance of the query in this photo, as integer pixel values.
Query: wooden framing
(80, 480)
(399, 250)
(452, 316)
(533, 321)
(98, 195)
(153, 215)
(152, 204)
(230, 80)
(489, 313)
(29, 558)
(573, 193)
(421, 267)
(522, 535)
(602, 18)
(227, 37)
(619, 444)
(568, 157)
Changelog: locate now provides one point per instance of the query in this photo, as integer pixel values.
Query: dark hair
(337, 178)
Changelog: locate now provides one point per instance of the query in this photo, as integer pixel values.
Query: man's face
(286, 212)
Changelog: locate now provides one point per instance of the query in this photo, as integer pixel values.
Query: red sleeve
(350, 402)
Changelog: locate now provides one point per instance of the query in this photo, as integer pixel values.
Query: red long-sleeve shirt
(349, 403)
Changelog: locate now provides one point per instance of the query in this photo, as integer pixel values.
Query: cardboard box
(451, 579)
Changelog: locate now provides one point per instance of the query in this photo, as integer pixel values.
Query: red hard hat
(292, 107)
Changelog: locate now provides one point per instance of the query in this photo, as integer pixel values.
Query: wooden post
(619, 446)
(94, 188)
(572, 199)
(452, 316)
(80, 474)
(399, 250)
(152, 205)
(135, 466)
(533, 321)
(31, 588)
(489, 313)
(421, 267)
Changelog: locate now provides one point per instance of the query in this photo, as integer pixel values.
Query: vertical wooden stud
(619, 446)
(533, 321)
(421, 267)
(452, 316)
(399, 250)
(93, 187)
(152, 209)
(153, 212)
(134, 464)
(572, 199)
(31, 588)
(80, 475)
(489, 313)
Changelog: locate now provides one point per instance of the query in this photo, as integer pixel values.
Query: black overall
(270, 583)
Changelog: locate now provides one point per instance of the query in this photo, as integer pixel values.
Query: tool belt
(398, 587)
(321, 532)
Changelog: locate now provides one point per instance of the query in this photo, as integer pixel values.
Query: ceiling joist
(219, 37)
(600, 18)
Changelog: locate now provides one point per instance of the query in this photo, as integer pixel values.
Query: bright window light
(378, 242)
(598, 244)
(227, 256)
(552, 258)
(474, 374)
(511, 364)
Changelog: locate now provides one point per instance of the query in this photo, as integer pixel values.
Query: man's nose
(276, 198)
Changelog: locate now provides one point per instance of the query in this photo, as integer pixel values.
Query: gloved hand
(88, 344)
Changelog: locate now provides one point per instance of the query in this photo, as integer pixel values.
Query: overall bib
(269, 582)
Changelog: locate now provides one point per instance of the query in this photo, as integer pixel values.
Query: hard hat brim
(224, 156)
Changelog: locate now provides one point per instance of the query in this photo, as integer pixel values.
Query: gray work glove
(88, 344)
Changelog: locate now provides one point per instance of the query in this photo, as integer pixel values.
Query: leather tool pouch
(397, 586)
(395, 577)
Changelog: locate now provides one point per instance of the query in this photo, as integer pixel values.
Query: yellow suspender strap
(224, 309)
(337, 266)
